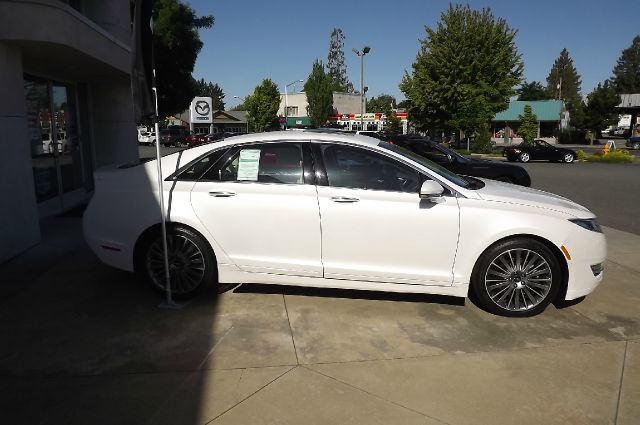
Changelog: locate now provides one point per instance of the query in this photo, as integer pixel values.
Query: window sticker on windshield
(248, 165)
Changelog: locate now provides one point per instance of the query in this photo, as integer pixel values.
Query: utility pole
(365, 50)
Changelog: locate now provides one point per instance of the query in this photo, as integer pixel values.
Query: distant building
(552, 116)
(346, 115)
(223, 121)
(630, 105)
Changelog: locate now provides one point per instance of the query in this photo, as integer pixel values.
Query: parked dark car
(174, 137)
(539, 150)
(459, 164)
(219, 136)
(633, 143)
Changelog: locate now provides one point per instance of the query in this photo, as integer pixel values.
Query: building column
(113, 125)
(20, 227)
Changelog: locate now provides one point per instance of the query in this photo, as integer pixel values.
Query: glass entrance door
(55, 149)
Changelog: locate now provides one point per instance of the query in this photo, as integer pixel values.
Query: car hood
(508, 193)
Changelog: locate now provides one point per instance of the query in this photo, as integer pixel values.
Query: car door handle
(222, 194)
(344, 199)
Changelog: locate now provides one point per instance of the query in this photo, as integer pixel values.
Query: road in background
(611, 191)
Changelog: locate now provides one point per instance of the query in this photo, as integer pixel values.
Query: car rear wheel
(568, 158)
(516, 278)
(192, 264)
(524, 157)
(636, 146)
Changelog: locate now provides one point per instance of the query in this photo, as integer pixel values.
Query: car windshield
(441, 171)
(453, 153)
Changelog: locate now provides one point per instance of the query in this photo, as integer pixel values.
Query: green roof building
(552, 116)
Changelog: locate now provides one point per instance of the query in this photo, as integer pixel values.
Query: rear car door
(261, 207)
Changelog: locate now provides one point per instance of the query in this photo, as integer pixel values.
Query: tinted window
(428, 151)
(198, 167)
(361, 169)
(264, 163)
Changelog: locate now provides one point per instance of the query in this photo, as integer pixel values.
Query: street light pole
(286, 101)
(365, 50)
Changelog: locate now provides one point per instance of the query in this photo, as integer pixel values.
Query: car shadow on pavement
(256, 288)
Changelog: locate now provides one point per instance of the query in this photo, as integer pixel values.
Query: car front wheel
(192, 264)
(568, 158)
(636, 146)
(516, 278)
(524, 157)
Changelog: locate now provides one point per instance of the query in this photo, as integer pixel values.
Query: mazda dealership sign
(201, 110)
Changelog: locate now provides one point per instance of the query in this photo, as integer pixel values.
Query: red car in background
(195, 139)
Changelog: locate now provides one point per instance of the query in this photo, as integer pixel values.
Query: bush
(582, 156)
(615, 156)
(483, 141)
(575, 137)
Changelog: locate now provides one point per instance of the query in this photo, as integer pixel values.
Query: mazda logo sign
(202, 107)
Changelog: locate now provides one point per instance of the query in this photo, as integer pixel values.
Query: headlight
(587, 223)
(517, 150)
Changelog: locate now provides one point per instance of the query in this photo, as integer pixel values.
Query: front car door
(375, 227)
(261, 208)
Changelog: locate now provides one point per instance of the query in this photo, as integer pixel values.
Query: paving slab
(303, 396)
(84, 318)
(629, 408)
(158, 399)
(573, 384)
(623, 248)
(615, 304)
(335, 329)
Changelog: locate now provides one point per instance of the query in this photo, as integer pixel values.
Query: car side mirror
(431, 189)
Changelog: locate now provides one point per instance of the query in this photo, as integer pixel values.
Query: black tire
(536, 282)
(192, 263)
(524, 157)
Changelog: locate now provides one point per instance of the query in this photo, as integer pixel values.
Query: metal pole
(285, 107)
(361, 91)
(169, 300)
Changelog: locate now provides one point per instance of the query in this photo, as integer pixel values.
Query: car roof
(290, 136)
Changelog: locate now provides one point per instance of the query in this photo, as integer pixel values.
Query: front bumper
(588, 251)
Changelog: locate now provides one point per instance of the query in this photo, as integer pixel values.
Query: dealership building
(65, 107)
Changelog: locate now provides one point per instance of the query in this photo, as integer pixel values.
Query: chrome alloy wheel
(518, 279)
(186, 264)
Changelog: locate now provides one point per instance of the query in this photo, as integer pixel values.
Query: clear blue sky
(256, 39)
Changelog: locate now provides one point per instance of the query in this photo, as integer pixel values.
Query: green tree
(533, 91)
(600, 110)
(381, 103)
(336, 67)
(465, 71)
(208, 89)
(563, 81)
(393, 124)
(177, 44)
(318, 88)
(528, 124)
(262, 105)
(626, 74)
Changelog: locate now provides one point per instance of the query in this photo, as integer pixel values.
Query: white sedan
(343, 211)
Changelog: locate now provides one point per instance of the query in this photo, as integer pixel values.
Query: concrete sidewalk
(83, 343)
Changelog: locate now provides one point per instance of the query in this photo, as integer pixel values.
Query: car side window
(262, 163)
(197, 168)
(360, 169)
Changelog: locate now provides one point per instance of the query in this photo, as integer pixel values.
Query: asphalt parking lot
(84, 343)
